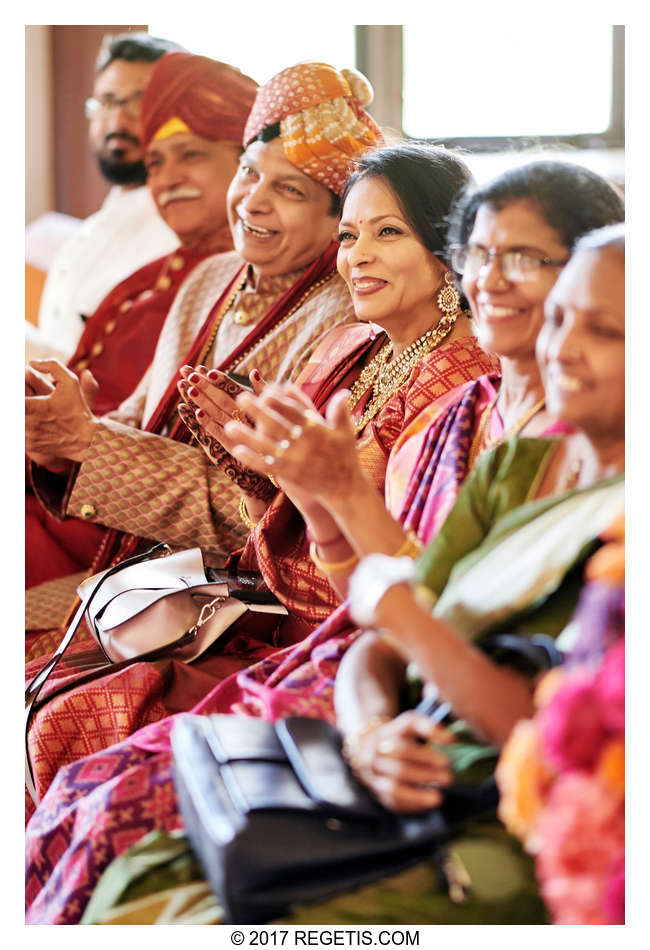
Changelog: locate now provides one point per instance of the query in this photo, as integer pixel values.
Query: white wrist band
(371, 579)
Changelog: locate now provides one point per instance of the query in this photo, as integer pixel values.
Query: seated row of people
(397, 409)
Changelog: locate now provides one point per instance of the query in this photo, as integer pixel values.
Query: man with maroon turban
(193, 113)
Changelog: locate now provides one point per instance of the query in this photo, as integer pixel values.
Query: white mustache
(178, 194)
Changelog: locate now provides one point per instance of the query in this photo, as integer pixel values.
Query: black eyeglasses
(516, 266)
(105, 104)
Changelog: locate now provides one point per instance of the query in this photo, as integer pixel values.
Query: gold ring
(238, 417)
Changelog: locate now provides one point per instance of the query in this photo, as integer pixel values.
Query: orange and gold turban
(209, 98)
(323, 125)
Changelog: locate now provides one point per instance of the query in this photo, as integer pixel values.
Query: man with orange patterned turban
(322, 124)
(263, 307)
(193, 112)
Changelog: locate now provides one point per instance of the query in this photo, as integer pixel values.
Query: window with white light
(508, 81)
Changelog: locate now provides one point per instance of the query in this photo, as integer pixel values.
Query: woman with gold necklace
(392, 236)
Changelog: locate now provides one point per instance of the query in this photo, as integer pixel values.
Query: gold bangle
(243, 514)
(410, 547)
(330, 567)
(273, 481)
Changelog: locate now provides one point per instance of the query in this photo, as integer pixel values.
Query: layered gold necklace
(386, 377)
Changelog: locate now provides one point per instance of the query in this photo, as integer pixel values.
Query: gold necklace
(240, 283)
(385, 378)
(310, 290)
(481, 445)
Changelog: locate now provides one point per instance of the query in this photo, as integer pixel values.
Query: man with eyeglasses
(127, 232)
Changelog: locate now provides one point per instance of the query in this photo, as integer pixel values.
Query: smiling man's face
(188, 177)
(281, 220)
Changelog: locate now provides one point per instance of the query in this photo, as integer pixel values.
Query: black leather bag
(276, 817)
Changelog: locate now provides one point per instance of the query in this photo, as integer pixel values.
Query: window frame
(373, 43)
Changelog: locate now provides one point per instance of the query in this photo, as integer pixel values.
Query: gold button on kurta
(126, 306)
(97, 348)
(88, 511)
(81, 364)
(164, 282)
(176, 263)
(110, 326)
(145, 294)
(241, 318)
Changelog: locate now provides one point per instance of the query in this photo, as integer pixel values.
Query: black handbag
(276, 817)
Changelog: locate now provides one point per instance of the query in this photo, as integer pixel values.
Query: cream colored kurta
(155, 488)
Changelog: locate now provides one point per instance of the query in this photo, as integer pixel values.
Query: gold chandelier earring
(448, 298)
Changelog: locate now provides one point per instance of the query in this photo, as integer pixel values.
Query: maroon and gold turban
(209, 98)
(324, 128)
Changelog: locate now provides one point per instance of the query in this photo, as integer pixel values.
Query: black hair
(270, 132)
(135, 47)
(571, 199)
(425, 179)
(609, 238)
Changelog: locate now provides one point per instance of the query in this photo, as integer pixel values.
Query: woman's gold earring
(448, 298)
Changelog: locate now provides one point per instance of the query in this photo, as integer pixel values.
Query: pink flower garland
(562, 782)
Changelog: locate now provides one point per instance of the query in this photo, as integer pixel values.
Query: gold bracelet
(273, 481)
(243, 514)
(410, 547)
(330, 567)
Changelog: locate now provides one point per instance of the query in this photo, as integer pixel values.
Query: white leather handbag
(167, 603)
(148, 607)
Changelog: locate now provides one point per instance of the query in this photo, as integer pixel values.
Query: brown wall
(79, 187)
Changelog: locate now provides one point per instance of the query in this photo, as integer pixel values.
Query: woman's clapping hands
(292, 442)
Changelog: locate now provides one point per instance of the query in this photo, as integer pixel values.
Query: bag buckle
(207, 613)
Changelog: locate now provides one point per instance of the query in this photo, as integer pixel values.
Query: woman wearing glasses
(511, 237)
